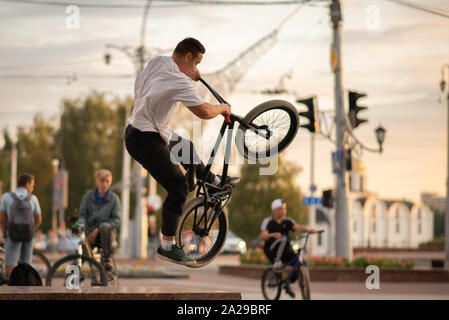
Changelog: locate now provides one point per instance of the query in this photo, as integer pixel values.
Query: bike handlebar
(217, 96)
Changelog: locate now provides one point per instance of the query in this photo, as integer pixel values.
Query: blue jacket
(91, 214)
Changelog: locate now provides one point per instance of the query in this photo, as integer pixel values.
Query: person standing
(20, 216)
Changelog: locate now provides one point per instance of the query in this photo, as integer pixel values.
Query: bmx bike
(82, 266)
(273, 280)
(263, 133)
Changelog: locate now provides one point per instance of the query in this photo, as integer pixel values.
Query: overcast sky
(391, 52)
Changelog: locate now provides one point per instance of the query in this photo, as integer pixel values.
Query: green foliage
(258, 257)
(89, 137)
(251, 200)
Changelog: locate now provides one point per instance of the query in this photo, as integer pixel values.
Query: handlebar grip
(227, 119)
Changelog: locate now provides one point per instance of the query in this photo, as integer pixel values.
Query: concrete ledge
(115, 293)
(331, 274)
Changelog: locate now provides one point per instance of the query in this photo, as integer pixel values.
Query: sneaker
(175, 255)
(289, 291)
(277, 267)
(107, 264)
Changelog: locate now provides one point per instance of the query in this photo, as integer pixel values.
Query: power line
(434, 11)
(177, 3)
(64, 76)
(95, 6)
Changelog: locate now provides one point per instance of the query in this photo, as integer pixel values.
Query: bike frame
(221, 195)
(299, 260)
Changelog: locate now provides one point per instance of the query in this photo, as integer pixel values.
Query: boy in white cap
(274, 232)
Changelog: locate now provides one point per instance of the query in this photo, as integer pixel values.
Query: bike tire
(304, 282)
(96, 274)
(41, 259)
(279, 116)
(190, 241)
(271, 279)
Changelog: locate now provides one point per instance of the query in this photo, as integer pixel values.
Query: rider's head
(103, 180)
(278, 209)
(187, 55)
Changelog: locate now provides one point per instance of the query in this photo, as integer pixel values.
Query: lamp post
(444, 89)
(54, 219)
(380, 136)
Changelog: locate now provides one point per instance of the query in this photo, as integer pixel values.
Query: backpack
(21, 219)
(24, 275)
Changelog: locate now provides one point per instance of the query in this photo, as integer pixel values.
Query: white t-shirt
(157, 90)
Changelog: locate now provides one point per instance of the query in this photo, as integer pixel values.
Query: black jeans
(105, 237)
(161, 161)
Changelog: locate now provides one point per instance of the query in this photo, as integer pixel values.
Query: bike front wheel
(271, 284)
(277, 122)
(75, 271)
(304, 282)
(201, 238)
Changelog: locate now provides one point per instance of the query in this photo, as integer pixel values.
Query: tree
(90, 137)
(34, 155)
(251, 200)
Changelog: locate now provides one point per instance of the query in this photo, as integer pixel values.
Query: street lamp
(380, 136)
(446, 222)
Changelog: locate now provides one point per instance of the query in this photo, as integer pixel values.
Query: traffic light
(354, 109)
(311, 114)
(328, 199)
(348, 154)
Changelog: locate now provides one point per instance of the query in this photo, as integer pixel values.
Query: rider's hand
(226, 110)
(277, 235)
(91, 237)
(312, 231)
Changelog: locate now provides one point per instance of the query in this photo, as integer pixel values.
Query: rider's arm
(264, 235)
(115, 217)
(208, 111)
(301, 228)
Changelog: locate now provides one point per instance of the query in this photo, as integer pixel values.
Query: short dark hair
(189, 45)
(24, 178)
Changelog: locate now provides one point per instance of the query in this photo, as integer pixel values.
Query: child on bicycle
(274, 232)
(163, 83)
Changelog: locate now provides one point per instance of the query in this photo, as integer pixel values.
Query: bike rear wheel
(271, 284)
(75, 270)
(40, 263)
(279, 118)
(191, 234)
(304, 282)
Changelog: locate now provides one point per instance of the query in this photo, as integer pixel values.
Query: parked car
(234, 244)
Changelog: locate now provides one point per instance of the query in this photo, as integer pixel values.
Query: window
(419, 228)
(355, 227)
(374, 227)
(397, 227)
(320, 239)
(419, 214)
